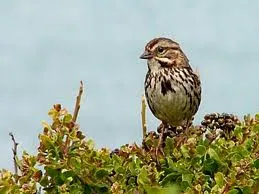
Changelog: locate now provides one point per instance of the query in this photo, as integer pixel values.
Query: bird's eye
(160, 49)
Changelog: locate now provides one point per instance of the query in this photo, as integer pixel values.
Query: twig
(143, 116)
(78, 100)
(15, 144)
(76, 111)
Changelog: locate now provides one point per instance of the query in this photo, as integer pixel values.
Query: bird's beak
(146, 55)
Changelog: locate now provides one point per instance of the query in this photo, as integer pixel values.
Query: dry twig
(78, 100)
(15, 144)
(75, 115)
(143, 116)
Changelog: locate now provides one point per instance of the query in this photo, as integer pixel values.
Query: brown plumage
(172, 89)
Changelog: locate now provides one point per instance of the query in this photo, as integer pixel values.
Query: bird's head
(164, 53)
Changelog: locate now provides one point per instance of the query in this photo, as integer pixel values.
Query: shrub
(204, 159)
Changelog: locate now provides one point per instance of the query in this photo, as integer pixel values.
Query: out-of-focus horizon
(47, 47)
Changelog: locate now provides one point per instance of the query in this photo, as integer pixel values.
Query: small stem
(78, 100)
(143, 116)
(15, 144)
(75, 115)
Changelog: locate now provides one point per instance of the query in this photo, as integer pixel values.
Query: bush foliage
(193, 162)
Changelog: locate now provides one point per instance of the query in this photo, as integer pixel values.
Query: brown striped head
(165, 53)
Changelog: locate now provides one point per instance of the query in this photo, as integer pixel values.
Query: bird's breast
(170, 97)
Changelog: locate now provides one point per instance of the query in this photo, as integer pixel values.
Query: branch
(76, 111)
(15, 144)
(143, 116)
(78, 100)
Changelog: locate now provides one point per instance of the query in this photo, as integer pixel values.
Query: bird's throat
(164, 62)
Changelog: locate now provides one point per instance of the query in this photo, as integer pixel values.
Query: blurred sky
(47, 47)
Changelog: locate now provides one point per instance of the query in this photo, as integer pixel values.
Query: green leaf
(219, 178)
(53, 113)
(233, 191)
(90, 144)
(213, 154)
(236, 157)
(210, 166)
(46, 141)
(184, 185)
(100, 173)
(54, 174)
(67, 118)
(249, 145)
(170, 178)
(238, 132)
(75, 162)
(67, 175)
(120, 169)
(188, 178)
(256, 128)
(169, 144)
(158, 190)
(132, 181)
(201, 150)
(143, 176)
(256, 164)
(247, 190)
(185, 151)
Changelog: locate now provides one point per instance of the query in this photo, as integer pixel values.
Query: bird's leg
(159, 148)
(188, 126)
(185, 134)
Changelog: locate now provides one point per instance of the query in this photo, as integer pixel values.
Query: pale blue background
(47, 47)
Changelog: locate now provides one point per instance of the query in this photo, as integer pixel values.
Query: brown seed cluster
(224, 121)
(171, 131)
(213, 126)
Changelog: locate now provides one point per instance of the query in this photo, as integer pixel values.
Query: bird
(172, 88)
